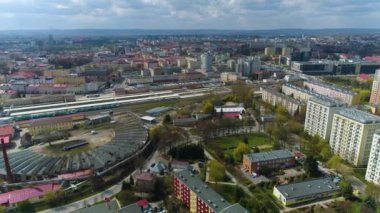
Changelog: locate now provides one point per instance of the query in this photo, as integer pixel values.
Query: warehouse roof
(272, 155)
(307, 188)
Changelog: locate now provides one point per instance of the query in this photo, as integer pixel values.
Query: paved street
(233, 179)
(113, 190)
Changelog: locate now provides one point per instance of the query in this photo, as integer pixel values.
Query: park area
(227, 145)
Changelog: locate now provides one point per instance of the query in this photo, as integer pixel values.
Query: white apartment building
(346, 96)
(298, 93)
(319, 115)
(373, 168)
(352, 134)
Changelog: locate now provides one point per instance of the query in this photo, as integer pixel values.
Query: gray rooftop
(110, 207)
(327, 101)
(208, 195)
(332, 87)
(278, 94)
(132, 208)
(272, 155)
(307, 188)
(359, 116)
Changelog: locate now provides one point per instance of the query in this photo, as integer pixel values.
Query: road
(233, 179)
(113, 190)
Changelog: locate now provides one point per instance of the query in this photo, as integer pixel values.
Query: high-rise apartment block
(352, 134)
(375, 94)
(319, 115)
(373, 168)
(206, 62)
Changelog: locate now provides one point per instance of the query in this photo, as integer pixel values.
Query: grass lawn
(228, 144)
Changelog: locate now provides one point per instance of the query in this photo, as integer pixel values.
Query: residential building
(206, 62)
(229, 77)
(375, 93)
(319, 115)
(298, 93)
(346, 96)
(352, 134)
(306, 191)
(373, 168)
(277, 159)
(275, 98)
(145, 181)
(193, 63)
(198, 197)
(269, 51)
(245, 66)
(285, 51)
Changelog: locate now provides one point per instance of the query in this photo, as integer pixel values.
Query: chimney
(6, 162)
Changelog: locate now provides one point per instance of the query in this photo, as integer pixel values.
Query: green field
(228, 144)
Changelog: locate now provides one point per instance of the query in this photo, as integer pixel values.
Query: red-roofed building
(145, 181)
(143, 203)
(6, 134)
(20, 195)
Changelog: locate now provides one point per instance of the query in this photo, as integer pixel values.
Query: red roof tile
(27, 193)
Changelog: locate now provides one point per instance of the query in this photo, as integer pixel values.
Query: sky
(188, 14)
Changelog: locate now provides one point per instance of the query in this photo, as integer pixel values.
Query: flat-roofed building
(332, 91)
(306, 191)
(373, 168)
(319, 115)
(198, 197)
(46, 125)
(275, 98)
(352, 134)
(375, 93)
(253, 162)
(298, 93)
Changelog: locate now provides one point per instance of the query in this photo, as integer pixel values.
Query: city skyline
(176, 14)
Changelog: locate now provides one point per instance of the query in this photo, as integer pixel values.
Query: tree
(50, 197)
(266, 171)
(334, 162)
(96, 182)
(256, 149)
(217, 171)
(373, 191)
(25, 206)
(370, 204)
(311, 166)
(167, 120)
(346, 189)
(207, 107)
(240, 150)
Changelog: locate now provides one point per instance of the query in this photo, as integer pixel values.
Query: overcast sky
(188, 14)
